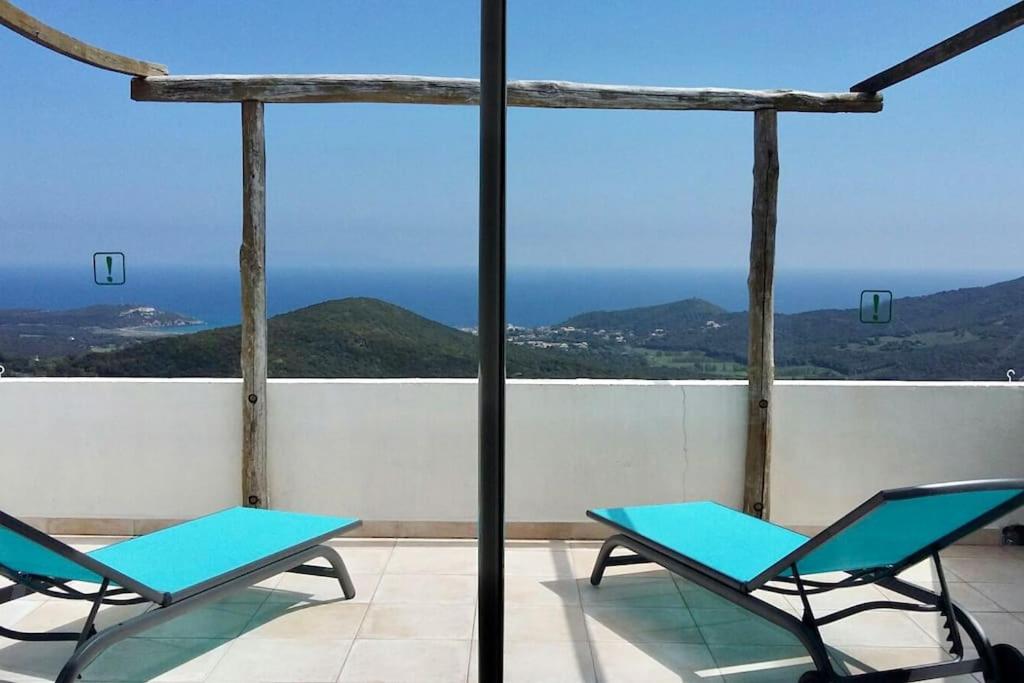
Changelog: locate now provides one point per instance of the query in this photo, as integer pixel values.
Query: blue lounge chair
(175, 570)
(733, 554)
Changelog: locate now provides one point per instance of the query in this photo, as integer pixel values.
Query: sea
(536, 297)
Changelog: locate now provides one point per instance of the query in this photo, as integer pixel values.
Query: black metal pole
(491, 523)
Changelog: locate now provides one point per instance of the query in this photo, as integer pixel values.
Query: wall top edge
(512, 382)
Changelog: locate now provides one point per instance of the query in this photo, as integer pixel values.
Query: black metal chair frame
(989, 662)
(118, 589)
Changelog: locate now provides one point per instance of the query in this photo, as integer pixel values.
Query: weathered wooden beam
(1010, 18)
(761, 342)
(466, 91)
(38, 32)
(252, 265)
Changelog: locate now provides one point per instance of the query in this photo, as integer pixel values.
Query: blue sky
(933, 182)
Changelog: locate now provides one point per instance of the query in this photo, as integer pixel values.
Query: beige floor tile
(1009, 596)
(732, 626)
(67, 615)
(931, 624)
(641, 624)
(360, 559)
(981, 551)
(544, 623)
(835, 600)
(418, 622)
(700, 598)
(178, 660)
(421, 589)
(312, 621)
(631, 591)
(31, 597)
(407, 661)
(579, 543)
(584, 558)
(256, 594)
(220, 620)
(883, 628)
(965, 594)
(924, 573)
(988, 570)
(1000, 627)
(537, 544)
(356, 542)
(550, 662)
(774, 599)
(864, 659)
(1003, 628)
(304, 588)
(256, 660)
(624, 662)
(761, 663)
(22, 661)
(432, 559)
(85, 544)
(12, 612)
(430, 543)
(530, 590)
(553, 563)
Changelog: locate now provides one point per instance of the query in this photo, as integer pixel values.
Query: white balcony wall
(406, 449)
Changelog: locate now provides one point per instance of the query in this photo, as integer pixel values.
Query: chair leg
(337, 570)
(95, 645)
(601, 563)
(605, 559)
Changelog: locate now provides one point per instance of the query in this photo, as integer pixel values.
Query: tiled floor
(414, 620)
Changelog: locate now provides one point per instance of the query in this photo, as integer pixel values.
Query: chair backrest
(899, 527)
(27, 550)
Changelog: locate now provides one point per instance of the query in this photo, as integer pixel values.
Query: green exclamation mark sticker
(876, 306)
(108, 268)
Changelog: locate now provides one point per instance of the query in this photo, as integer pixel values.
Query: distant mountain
(973, 333)
(356, 337)
(645, 320)
(966, 334)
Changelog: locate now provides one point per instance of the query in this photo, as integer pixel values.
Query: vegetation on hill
(967, 334)
(972, 333)
(648, 319)
(344, 338)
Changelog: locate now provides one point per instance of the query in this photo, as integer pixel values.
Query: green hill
(647, 319)
(973, 333)
(344, 338)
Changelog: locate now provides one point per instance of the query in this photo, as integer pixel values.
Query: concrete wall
(406, 449)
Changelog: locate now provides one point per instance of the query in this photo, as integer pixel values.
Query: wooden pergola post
(760, 285)
(252, 258)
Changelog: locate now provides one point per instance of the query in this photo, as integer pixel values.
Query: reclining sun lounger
(733, 554)
(175, 570)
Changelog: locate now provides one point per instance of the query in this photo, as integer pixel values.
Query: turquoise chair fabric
(731, 543)
(899, 528)
(183, 556)
(745, 548)
(28, 557)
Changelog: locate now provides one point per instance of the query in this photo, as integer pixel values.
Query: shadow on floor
(193, 642)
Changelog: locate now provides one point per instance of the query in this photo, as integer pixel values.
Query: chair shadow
(680, 632)
(162, 649)
(745, 648)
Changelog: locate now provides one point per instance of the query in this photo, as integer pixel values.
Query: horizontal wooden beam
(466, 91)
(38, 32)
(982, 32)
